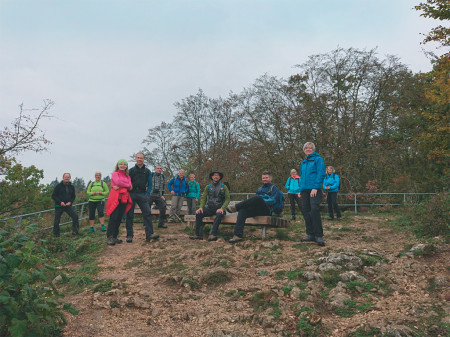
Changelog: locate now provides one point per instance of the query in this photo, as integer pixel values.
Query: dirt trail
(272, 287)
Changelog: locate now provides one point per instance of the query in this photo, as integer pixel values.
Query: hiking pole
(180, 219)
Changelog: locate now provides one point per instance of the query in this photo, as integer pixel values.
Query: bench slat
(267, 221)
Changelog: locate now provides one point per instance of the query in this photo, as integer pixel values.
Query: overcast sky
(114, 68)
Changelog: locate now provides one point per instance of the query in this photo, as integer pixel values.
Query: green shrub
(30, 305)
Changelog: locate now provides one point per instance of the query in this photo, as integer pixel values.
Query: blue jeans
(142, 201)
(311, 213)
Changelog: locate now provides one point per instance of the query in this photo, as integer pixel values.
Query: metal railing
(357, 200)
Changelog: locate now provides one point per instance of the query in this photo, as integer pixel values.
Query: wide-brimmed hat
(216, 171)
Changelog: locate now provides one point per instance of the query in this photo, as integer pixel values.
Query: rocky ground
(369, 280)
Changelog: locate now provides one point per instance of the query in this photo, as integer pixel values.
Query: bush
(30, 305)
(431, 217)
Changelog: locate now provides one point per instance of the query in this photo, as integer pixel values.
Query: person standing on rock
(312, 173)
(141, 179)
(64, 196)
(267, 201)
(213, 201)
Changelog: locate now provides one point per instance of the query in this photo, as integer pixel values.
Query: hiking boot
(235, 239)
(196, 237)
(309, 238)
(118, 240)
(129, 239)
(111, 241)
(212, 238)
(231, 208)
(319, 241)
(91, 230)
(293, 217)
(162, 226)
(103, 228)
(152, 237)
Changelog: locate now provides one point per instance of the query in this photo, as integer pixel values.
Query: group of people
(138, 185)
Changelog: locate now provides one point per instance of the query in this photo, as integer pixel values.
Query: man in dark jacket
(64, 195)
(261, 204)
(157, 194)
(141, 182)
(216, 197)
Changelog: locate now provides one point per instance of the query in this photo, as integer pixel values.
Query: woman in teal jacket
(293, 188)
(312, 172)
(331, 187)
(193, 194)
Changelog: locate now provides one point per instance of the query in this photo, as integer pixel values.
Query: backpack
(91, 183)
(277, 209)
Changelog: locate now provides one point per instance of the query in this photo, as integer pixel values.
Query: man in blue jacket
(312, 173)
(141, 182)
(178, 187)
(262, 203)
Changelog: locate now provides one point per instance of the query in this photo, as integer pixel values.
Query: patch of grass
(103, 286)
(261, 300)
(215, 278)
(369, 260)
(282, 234)
(367, 286)
(290, 275)
(302, 247)
(331, 278)
(286, 290)
(230, 293)
(363, 332)
(137, 261)
(351, 308)
(428, 251)
(275, 305)
(193, 284)
(263, 273)
(305, 328)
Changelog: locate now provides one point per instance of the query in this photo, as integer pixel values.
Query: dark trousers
(162, 206)
(254, 206)
(208, 212)
(114, 221)
(96, 205)
(311, 213)
(294, 199)
(332, 203)
(192, 205)
(58, 213)
(142, 201)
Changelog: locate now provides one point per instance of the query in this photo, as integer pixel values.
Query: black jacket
(60, 194)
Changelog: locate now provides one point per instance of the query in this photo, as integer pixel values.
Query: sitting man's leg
(254, 206)
(215, 226)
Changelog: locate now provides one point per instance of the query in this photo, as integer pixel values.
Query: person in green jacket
(97, 190)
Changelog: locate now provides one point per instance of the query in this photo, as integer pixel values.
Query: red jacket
(116, 196)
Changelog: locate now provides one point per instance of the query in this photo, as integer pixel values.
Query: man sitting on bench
(216, 197)
(264, 203)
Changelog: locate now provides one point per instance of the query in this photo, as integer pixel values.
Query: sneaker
(319, 241)
(162, 226)
(231, 208)
(91, 230)
(103, 228)
(212, 238)
(235, 239)
(309, 238)
(129, 239)
(111, 241)
(118, 240)
(196, 237)
(152, 237)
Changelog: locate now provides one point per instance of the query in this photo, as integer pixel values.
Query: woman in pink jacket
(119, 201)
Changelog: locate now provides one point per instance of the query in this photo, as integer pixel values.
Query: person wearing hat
(119, 201)
(213, 201)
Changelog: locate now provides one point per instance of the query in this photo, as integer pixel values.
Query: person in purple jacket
(312, 173)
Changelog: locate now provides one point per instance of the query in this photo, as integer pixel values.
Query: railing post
(356, 207)
(404, 198)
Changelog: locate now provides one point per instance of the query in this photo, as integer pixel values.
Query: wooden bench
(184, 208)
(257, 221)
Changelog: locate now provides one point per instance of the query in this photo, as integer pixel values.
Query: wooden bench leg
(264, 232)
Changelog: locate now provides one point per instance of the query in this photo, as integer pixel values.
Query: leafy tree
(107, 179)
(79, 184)
(53, 183)
(439, 10)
